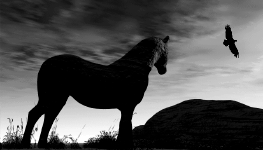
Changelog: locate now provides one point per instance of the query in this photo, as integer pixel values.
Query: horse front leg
(124, 139)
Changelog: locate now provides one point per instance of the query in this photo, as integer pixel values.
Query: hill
(215, 124)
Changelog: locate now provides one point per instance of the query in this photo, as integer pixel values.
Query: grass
(106, 139)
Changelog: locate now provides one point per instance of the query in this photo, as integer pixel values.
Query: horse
(120, 85)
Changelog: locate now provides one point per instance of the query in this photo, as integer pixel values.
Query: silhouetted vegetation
(13, 138)
(106, 139)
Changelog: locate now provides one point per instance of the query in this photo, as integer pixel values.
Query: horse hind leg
(33, 115)
(51, 113)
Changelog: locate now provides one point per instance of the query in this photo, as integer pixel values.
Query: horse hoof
(42, 145)
(25, 144)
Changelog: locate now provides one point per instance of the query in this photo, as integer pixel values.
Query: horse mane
(143, 55)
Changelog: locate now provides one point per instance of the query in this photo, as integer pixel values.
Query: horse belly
(99, 95)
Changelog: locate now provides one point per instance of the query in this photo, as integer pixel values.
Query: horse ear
(166, 39)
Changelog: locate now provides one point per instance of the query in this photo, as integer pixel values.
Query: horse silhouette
(230, 42)
(120, 85)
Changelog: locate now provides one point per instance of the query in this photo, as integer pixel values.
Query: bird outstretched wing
(230, 42)
(233, 49)
(229, 35)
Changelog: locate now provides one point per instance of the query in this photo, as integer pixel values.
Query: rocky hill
(197, 123)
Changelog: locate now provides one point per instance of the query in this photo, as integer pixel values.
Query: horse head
(161, 62)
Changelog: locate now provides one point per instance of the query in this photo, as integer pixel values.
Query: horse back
(75, 70)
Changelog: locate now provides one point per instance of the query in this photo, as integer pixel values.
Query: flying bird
(230, 42)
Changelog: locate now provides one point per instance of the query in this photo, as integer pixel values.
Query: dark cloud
(178, 18)
(77, 50)
(114, 51)
(31, 56)
(148, 17)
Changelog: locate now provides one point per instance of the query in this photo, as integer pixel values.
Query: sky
(199, 65)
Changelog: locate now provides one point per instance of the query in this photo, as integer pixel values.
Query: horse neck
(141, 59)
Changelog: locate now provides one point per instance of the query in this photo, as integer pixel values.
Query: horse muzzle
(161, 70)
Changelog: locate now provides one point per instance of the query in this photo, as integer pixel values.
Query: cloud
(31, 56)
(124, 23)
(256, 70)
(4, 76)
(148, 17)
(239, 11)
(185, 77)
(182, 74)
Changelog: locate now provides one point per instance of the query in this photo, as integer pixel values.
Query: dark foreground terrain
(214, 124)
